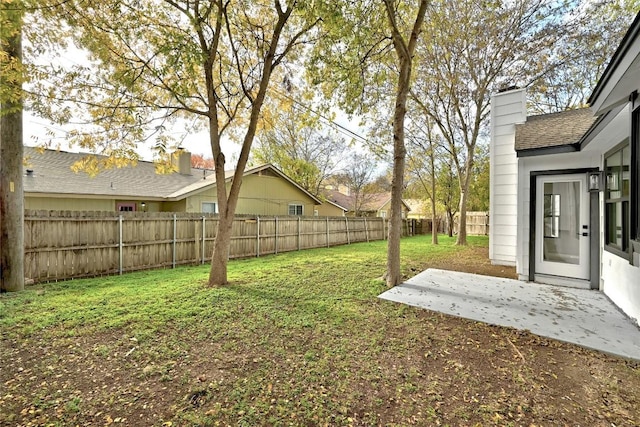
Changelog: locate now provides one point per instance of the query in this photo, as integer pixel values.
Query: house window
(210, 207)
(551, 212)
(617, 169)
(383, 214)
(126, 207)
(295, 209)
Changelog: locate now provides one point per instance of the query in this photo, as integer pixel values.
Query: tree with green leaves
(295, 141)
(154, 62)
(479, 188)
(492, 44)
(424, 155)
(365, 61)
(577, 61)
(11, 148)
(357, 177)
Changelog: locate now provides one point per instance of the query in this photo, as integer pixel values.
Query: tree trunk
(220, 257)
(11, 156)
(404, 52)
(464, 191)
(434, 213)
(450, 220)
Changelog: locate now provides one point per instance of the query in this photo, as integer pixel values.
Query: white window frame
(126, 207)
(215, 207)
(295, 206)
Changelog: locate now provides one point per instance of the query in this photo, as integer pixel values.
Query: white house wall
(507, 109)
(621, 283)
(619, 279)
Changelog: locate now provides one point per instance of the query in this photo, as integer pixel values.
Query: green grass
(292, 290)
(295, 339)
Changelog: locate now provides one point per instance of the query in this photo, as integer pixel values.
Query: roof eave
(620, 53)
(543, 151)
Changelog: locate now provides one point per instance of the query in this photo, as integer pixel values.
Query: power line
(337, 126)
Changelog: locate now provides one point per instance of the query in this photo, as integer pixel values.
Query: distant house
(50, 184)
(419, 209)
(565, 187)
(330, 208)
(369, 205)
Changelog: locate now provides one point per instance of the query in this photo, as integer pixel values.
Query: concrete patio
(583, 317)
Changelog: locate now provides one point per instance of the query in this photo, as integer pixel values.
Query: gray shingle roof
(372, 202)
(52, 174)
(555, 129)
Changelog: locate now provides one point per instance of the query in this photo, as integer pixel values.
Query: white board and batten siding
(507, 109)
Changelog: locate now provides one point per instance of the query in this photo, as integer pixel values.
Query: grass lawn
(296, 339)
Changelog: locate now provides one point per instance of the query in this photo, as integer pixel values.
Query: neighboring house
(329, 208)
(418, 209)
(565, 187)
(50, 184)
(370, 205)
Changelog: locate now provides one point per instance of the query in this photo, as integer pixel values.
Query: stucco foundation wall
(621, 283)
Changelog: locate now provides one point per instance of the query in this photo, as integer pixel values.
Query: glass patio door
(562, 226)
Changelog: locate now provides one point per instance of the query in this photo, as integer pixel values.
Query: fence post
(327, 218)
(203, 237)
(276, 236)
(257, 236)
(366, 231)
(486, 224)
(175, 232)
(298, 233)
(120, 244)
(346, 220)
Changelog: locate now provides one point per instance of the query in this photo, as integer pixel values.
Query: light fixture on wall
(143, 206)
(595, 181)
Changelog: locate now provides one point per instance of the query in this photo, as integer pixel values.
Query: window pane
(561, 222)
(626, 172)
(613, 168)
(611, 225)
(208, 207)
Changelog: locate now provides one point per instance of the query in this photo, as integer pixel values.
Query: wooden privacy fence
(477, 223)
(61, 245)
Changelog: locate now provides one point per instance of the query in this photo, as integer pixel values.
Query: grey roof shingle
(372, 202)
(52, 174)
(555, 129)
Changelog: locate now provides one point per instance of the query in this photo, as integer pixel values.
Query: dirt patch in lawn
(353, 361)
(473, 259)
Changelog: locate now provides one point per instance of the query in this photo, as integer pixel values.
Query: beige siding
(259, 195)
(387, 209)
(68, 204)
(327, 209)
(194, 203)
(179, 206)
(268, 195)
